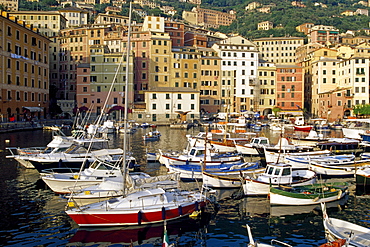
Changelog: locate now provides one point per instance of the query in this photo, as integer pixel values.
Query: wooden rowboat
(308, 194)
(340, 229)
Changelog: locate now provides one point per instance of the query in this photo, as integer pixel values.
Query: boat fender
(196, 206)
(340, 194)
(139, 217)
(163, 213)
(180, 209)
(336, 243)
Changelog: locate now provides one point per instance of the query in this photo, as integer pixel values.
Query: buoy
(139, 217)
(195, 214)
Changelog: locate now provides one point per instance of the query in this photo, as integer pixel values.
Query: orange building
(24, 70)
(289, 88)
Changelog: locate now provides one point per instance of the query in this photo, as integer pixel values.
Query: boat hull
(303, 128)
(134, 216)
(284, 197)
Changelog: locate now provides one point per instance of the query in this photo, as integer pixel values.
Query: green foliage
(361, 110)
(276, 110)
(100, 8)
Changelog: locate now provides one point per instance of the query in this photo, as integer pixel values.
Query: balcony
(349, 95)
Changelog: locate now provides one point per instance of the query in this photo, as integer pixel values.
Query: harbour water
(32, 215)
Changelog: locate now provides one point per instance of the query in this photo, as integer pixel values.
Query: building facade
(24, 70)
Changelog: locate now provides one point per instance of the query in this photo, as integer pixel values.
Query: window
(179, 96)
(154, 96)
(154, 106)
(178, 106)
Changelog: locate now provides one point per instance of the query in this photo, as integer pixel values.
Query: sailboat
(143, 207)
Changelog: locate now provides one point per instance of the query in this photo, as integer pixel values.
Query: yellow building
(186, 67)
(279, 50)
(267, 81)
(24, 70)
(210, 85)
(208, 18)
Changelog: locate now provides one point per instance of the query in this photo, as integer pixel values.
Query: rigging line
(126, 99)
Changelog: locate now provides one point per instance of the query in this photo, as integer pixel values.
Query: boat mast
(128, 48)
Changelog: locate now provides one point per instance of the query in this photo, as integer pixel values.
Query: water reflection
(138, 235)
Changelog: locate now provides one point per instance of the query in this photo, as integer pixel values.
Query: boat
(352, 128)
(113, 187)
(180, 125)
(320, 125)
(304, 160)
(276, 153)
(65, 183)
(337, 168)
(195, 171)
(198, 154)
(310, 140)
(277, 125)
(152, 157)
(139, 208)
(58, 144)
(74, 157)
(277, 174)
(363, 176)
(218, 140)
(274, 242)
(303, 127)
(227, 179)
(152, 136)
(307, 194)
(341, 146)
(250, 149)
(336, 229)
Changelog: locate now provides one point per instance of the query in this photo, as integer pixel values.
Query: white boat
(335, 229)
(277, 153)
(64, 183)
(113, 187)
(227, 179)
(196, 155)
(277, 174)
(74, 157)
(304, 160)
(354, 127)
(57, 145)
(310, 140)
(251, 147)
(152, 136)
(218, 140)
(307, 194)
(335, 168)
(274, 243)
(139, 208)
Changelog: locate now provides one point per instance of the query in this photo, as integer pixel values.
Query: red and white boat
(303, 127)
(139, 208)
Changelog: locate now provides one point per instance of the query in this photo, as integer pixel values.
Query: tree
(276, 110)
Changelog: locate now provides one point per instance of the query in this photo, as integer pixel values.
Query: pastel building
(24, 70)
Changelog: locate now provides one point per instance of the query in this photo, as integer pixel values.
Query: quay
(6, 127)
